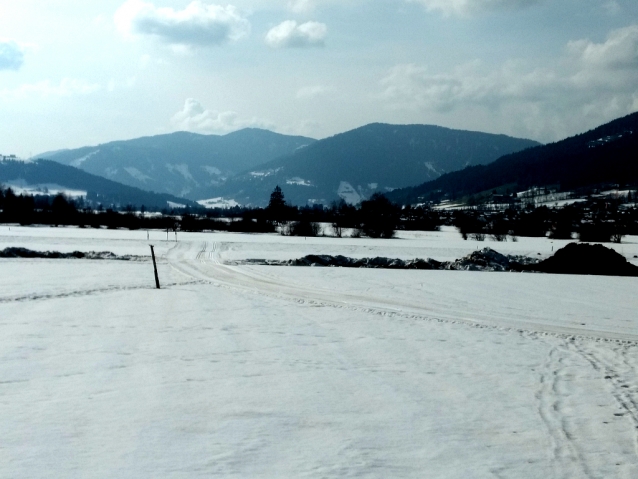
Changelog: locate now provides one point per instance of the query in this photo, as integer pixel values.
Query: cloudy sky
(77, 72)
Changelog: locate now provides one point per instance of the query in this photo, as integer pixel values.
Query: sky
(76, 72)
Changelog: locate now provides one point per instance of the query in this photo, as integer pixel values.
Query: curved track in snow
(204, 262)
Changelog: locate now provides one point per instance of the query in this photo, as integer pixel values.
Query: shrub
(304, 228)
(379, 217)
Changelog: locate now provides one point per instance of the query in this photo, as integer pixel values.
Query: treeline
(61, 210)
(595, 220)
(376, 217)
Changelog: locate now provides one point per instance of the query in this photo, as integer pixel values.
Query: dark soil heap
(17, 252)
(586, 258)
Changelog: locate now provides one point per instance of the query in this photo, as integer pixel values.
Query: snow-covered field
(258, 371)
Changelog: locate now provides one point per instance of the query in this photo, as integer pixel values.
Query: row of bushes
(592, 221)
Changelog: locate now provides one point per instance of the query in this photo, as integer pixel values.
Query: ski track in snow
(615, 366)
(566, 457)
(613, 360)
(87, 292)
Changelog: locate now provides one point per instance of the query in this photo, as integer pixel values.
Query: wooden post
(155, 267)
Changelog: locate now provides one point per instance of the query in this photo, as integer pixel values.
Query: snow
(348, 193)
(137, 174)
(431, 167)
(21, 187)
(182, 169)
(263, 174)
(110, 171)
(79, 161)
(213, 170)
(172, 204)
(448, 205)
(257, 371)
(298, 181)
(218, 202)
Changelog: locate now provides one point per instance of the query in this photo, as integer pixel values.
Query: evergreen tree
(277, 199)
(277, 208)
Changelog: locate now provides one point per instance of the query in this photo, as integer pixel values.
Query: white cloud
(594, 82)
(309, 92)
(45, 88)
(11, 55)
(198, 24)
(290, 34)
(464, 7)
(301, 6)
(620, 51)
(194, 117)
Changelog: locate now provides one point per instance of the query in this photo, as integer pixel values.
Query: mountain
(181, 164)
(607, 154)
(376, 157)
(53, 175)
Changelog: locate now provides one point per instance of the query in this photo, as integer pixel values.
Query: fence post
(155, 267)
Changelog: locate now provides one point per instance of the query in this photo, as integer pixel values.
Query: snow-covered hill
(49, 177)
(181, 164)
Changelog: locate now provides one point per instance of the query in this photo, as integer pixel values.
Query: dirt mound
(489, 260)
(377, 262)
(16, 252)
(575, 258)
(583, 258)
(484, 260)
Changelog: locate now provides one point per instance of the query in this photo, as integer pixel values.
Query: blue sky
(75, 73)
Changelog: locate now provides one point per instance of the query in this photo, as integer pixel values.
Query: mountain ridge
(605, 154)
(99, 190)
(180, 163)
(377, 157)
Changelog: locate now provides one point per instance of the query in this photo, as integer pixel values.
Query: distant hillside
(607, 154)
(181, 164)
(373, 158)
(107, 192)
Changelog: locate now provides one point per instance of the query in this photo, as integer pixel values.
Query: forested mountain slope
(374, 158)
(607, 154)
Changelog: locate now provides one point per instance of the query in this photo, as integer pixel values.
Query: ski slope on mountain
(258, 371)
